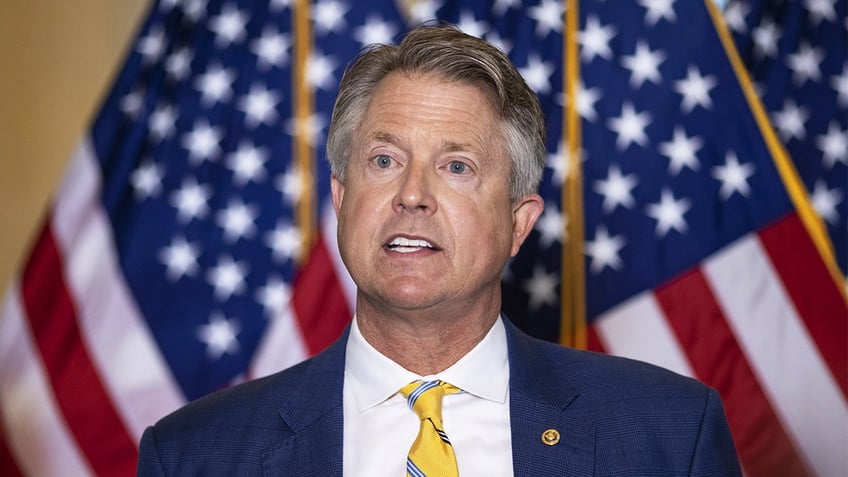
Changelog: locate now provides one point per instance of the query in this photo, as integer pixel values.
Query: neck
(425, 342)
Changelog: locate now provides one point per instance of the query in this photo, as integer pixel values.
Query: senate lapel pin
(550, 437)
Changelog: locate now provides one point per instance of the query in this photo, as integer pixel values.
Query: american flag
(190, 245)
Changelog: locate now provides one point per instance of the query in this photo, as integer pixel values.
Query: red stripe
(593, 341)
(695, 316)
(80, 395)
(813, 291)
(8, 464)
(319, 302)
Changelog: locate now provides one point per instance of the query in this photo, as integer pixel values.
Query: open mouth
(406, 245)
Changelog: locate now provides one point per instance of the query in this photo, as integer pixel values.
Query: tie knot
(425, 397)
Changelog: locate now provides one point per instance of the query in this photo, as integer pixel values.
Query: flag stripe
(781, 353)
(637, 329)
(139, 383)
(319, 302)
(804, 275)
(69, 366)
(7, 462)
(698, 322)
(29, 410)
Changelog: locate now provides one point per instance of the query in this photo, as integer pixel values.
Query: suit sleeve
(149, 464)
(715, 453)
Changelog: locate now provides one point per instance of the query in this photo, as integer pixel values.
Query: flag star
(132, 103)
(194, 9)
(501, 6)
(548, 16)
(542, 288)
(259, 106)
(278, 5)
(586, 99)
(180, 259)
(825, 201)
(595, 40)
(238, 221)
(733, 176)
(191, 200)
(375, 31)
(765, 37)
(734, 16)
(163, 122)
(840, 85)
(551, 226)
(834, 145)
(147, 180)
(219, 336)
(310, 128)
(152, 46)
(537, 74)
(274, 297)
(681, 151)
(247, 164)
(178, 64)
(424, 10)
(791, 121)
(695, 90)
(203, 142)
(329, 16)
(658, 9)
(558, 163)
(668, 213)
(470, 25)
(227, 278)
(215, 85)
(603, 251)
(616, 189)
(820, 10)
(644, 65)
(229, 26)
(285, 242)
(630, 127)
(500, 43)
(320, 71)
(272, 48)
(290, 184)
(805, 63)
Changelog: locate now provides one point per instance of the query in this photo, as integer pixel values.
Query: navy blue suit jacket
(615, 417)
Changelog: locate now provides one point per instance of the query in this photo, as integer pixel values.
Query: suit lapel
(539, 400)
(314, 416)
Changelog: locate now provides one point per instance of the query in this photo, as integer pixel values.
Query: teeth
(405, 245)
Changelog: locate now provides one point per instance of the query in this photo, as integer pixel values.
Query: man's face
(425, 218)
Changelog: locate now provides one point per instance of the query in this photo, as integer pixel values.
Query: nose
(415, 191)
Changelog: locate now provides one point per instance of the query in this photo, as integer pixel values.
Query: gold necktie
(431, 454)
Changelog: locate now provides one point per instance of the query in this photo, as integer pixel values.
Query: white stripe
(281, 346)
(133, 370)
(37, 435)
(782, 354)
(637, 329)
(329, 226)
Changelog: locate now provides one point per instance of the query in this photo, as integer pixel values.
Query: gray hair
(455, 56)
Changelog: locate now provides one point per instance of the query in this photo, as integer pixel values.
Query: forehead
(405, 104)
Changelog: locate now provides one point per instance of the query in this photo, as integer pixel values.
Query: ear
(525, 212)
(337, 188)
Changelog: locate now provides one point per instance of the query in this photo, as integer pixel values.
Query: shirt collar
(374, 378)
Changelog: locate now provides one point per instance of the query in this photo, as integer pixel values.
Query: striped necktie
(431, 453)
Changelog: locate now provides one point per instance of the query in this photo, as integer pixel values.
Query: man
(437, 148)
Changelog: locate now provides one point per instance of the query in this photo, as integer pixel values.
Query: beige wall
(57, 59)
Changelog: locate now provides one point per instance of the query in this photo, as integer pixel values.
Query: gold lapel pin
(550, 437)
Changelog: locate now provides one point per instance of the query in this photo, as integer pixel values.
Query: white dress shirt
(379, 427)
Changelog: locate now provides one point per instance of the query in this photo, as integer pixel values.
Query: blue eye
(383, 161)
(457, 167)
